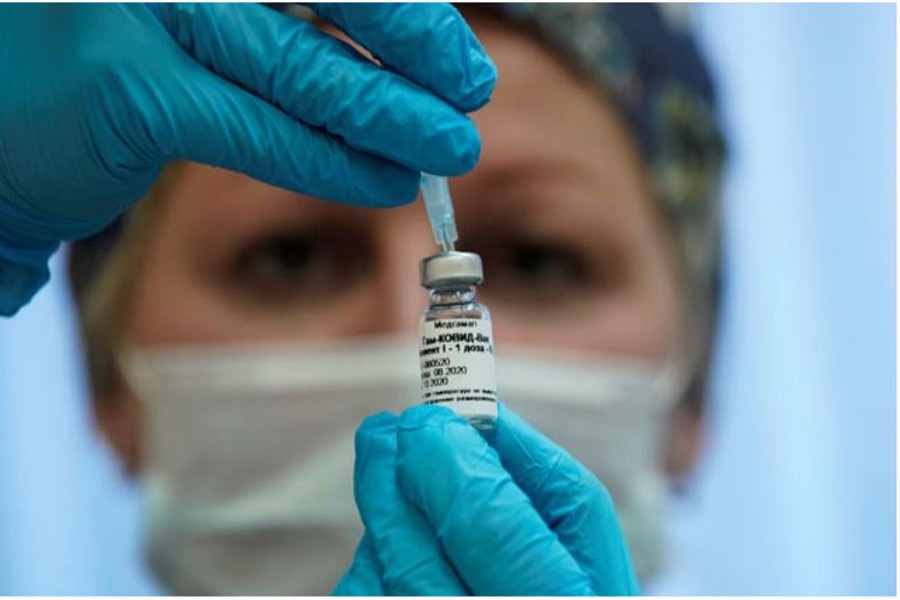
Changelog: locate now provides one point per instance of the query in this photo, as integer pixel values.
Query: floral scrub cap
(643, 57)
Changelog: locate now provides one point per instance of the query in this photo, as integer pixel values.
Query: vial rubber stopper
(448, 269)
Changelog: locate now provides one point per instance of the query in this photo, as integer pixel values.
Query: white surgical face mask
(249, 464)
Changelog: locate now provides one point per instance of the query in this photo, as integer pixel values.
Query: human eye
(300, 266)
(528, 270)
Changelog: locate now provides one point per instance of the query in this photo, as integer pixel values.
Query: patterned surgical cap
(643, 58)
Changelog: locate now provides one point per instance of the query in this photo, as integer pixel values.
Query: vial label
(456, 360)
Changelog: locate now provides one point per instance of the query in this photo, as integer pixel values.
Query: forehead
(543, 116)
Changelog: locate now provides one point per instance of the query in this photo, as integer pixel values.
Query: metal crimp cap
(451, 268)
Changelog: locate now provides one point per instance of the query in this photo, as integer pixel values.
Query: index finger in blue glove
(570, 499)
(325, 83)
(410, 556)
(486, 525)
(430, 43)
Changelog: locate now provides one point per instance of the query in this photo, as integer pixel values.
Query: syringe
(436, 194)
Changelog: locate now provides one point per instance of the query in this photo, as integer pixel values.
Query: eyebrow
(589, 167)
(524, 174)
(505, 199)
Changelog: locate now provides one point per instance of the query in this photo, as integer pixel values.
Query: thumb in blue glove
(447, 513)
(98, 98)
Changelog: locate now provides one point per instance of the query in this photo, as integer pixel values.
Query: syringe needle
(436, 194)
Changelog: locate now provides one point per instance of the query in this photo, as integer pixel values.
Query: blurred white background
(796, 493)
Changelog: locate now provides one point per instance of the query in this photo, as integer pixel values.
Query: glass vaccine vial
(456, 341)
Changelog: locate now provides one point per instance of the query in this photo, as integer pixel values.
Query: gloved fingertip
(486, 77)
(402, 190)
(427, 415)
(519, 444)
(461, 144)
(512, 424)
(19, 283)
(379, 420)
(438, 432)
(374, 428)
(377, 425)
(482, 84)
(477, 72)
(392, 187)
(469, 156)
(509, 420)
(375, 443)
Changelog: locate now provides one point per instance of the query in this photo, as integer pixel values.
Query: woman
(233, 351)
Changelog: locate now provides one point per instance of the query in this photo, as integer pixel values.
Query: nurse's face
(574, 253)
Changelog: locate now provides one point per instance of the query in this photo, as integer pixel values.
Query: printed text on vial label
(457, 361)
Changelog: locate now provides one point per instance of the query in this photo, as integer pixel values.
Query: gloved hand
(448, 513)
(95, 99)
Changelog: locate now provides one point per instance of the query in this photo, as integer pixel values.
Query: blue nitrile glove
(96, 98)
(447, 513)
